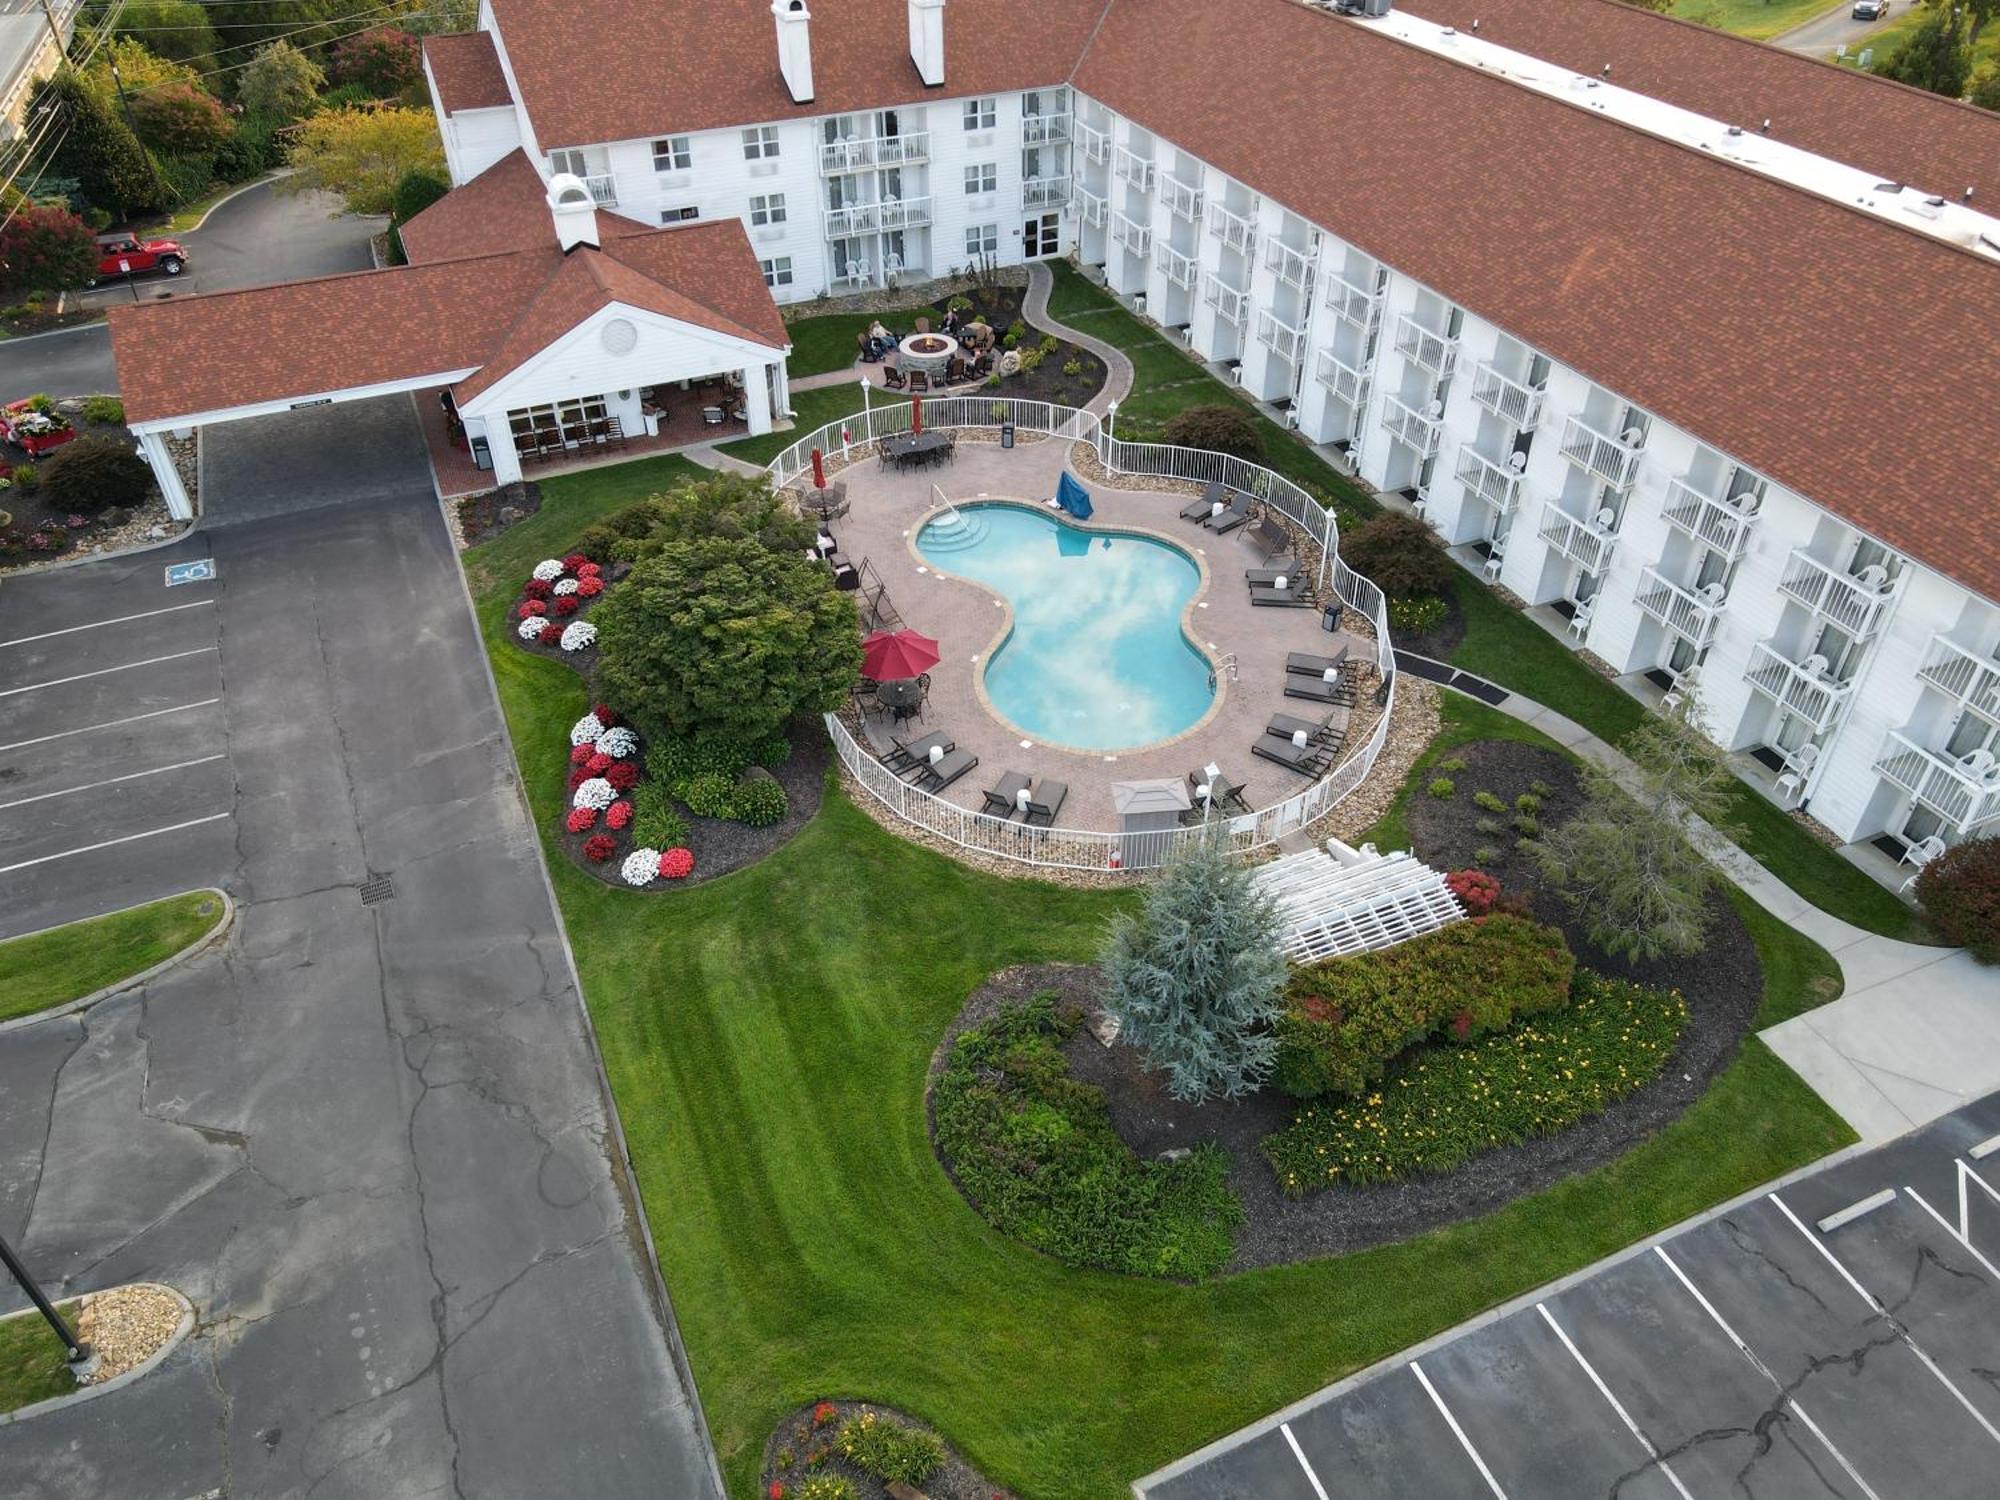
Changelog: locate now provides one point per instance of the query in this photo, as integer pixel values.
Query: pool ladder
(1228, 666)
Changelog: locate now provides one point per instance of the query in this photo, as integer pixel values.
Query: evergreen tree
(1935, 57)
(96, 147)
(1196, 979)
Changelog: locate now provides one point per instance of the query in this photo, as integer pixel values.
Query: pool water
(1096, 658)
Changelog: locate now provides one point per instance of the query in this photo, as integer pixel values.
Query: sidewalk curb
(116, 1382)
(214, 935)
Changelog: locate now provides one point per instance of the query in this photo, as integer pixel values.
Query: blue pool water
(1096, 658)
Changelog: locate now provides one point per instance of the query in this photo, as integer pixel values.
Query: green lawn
(63, 964)
(1886, 41)
(1461, 721)
(32, 1367)
(770, 1074)
(826, 342)
(812, 410)
(1758, 19)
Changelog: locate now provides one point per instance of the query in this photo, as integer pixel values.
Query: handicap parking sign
(201, 570)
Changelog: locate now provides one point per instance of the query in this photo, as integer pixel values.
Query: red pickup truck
(120, 254)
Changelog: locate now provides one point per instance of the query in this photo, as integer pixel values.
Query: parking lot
(1839, 1336)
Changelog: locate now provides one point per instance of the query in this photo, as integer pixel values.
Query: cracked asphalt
(369, 1142)
(1752, 1354)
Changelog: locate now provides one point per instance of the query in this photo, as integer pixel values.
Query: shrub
(1527, 802)
(44, 248)
(254, 148)
(94, 473)
(1036, 1153)
(1223, 427)
(279, 83)
(1441, 787)
(1009, 340)
(1442, 1104)
(599, 847)
(1486, 854)
(1398, 555)
(1528, 827)
(709, 795)
(581, 819)
(825, 1487)
(27, 478)
(1490, 826)
(1072, 367)
(617, 815)
(1960, 892)
(1417, 613)
(655, 824)
(1017, 330)
(384, 61)
(676, 761)
(181, 119)
(1540, 788)
(1453, 766)
(1488, 801)
(107, 409)
(1475, 889)
(890, 1451)
(676, 864)
(1347, 1018)
(1031, 360)
(758, 801)
(622, 774)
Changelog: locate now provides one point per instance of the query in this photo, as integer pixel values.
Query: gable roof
(503, 208)
(1847, 359)
(466, 66)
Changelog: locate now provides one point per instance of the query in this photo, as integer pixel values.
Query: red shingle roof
(503, 208)
(1850, 360)
(466, 66)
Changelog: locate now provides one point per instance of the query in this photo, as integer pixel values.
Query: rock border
(956, 1479)
(124, 1378)
(214, 935)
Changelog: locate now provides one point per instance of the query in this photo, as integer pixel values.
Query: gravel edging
(955, 1479)
(214, 934)
(106, 1384)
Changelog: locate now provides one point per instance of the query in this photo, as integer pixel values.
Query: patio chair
(1307, 760)
(1271, 536)
(1318, 690)
(951, 447)
(1200, 509)
(1305, 664)
(893, 378)
(1003, 797)
(1918, 855)
(935, 778)
(918, 380)
(1320, 731)
(527, 445)
(909, 752)
(1045, 802)
(1238, 514)
(1284, 567)
(1495, 561)
(1296, 594)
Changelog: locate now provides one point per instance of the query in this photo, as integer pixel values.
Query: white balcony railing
(1183, 199)
(1716, 524)
(1041, 130)
(1489, 483)
(1688, 613)
(1964, 792)
(1129, 232)
(1230, 305)
(903, 150)
(865, 154)
(1807, 690)
(1518, 405)
(1435, 352)
(1583, 542)
(1287, 341)
(1133, 167)
(1609, 458)
(1045, 192)
(1964, 675)
(1180, 269)
(868, 218)
(1091, 208)
(1406, 424)
(1294, 266)
(1344, 380)
(1351, 302)
(1094, 144)
(1857, 605)
(1235, 231)
(603, 190)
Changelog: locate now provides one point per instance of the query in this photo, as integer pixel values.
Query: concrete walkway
(1118, 374)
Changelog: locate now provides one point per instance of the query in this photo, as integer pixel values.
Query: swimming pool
(1096, 658)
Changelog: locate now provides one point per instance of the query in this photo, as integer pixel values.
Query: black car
(1869, 10)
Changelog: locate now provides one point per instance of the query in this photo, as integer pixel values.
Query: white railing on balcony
(1595, 453)
(1487, 482)
(905, 213)
(1287, 341)
(1582, 542)
(1406, 424)
(1807, 690)
(867, 218)
(1964, 792)
(1347, 383)
(1183, 199)
(1857, 605)
(1129, 232)
(1351, 302)
(1091, 208)
(1689, 614)
(1045, 192)
(1963, 674)
(1714, 523)
(1518, 405)
(1230, 305)
(1133, 167)
(603, 190)
(1040, 130)
(903, 150)
(1235, 231)
(1180, 269)
(1094, 144)
(866, 153)
(1294, 266)
(1435, 352)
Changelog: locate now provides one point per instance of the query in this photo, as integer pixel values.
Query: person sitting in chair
(893, 378)
(950, 320)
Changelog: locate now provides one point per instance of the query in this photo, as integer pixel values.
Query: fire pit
(929, 352)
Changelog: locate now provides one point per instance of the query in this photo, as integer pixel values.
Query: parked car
(1869, 10)
(119, 254)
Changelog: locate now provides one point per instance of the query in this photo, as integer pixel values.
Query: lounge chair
(1004, 795)
(1045, 802)
(908, 752)
(935, 778)
(1226, 793)
(1236, 515)
(1285, 567)
(1271, 536)
(1319, 690)
(1305, 664)
(1199, 510)
(1320, 731)
(1297, 594)
(1307, 760)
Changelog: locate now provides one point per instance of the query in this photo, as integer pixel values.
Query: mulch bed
(1441, 640)
(39, 530)
(798, 1435)
(1001, 307)
(483, 517)
(1723, 988)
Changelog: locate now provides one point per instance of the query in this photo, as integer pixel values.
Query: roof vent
(795, 59)
(927, 40)
(1736, 130)
(574, 212)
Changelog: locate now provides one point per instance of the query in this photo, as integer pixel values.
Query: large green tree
(361, 154)
(176, 29)
(95, 147)
(279, 84)
(1937, 56)
(178, 119)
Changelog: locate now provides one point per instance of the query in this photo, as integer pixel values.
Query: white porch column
(781, 387)
(757, 398)
(153, 448)
(500, 443)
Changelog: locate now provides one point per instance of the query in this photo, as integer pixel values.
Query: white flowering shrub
(595, 794)
(564, 586)
(549, 569)
(531, 628)
(578, 634)
(640, 866)
(619, 743)
(586, 730)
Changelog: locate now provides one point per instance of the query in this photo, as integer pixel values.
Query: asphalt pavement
(1824, 33)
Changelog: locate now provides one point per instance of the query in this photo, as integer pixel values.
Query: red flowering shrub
(579, 754)
(589, 588)
(676, 864)
(538, 588)
(581, 819)
(588, 570)
(1960, 892)
(574, 561)
(599, 847)
(578, 777)
(622, 774)
(823, 1413)
(533, 607)
(604, 714)
(1475, 889)
(566, 604)
(598, 763)
(617, 815)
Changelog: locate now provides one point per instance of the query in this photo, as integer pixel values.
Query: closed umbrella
(889, 655)
(916, 414)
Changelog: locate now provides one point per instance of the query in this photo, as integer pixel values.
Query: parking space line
(1300, 1454)
(1765, 1370)
(144, 614)
(129, 838)
(1881, 1311)
(63, 734)
(1616, 1405)
(151, 661)
(1457, 1431)
(179, 765)
(1962, 1237)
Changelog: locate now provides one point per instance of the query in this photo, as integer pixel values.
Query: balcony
(1857, 605)
(1489, 483)
(1607, 458)
(1045, 192)
(1294, 266)
(1230, 305)
(868, 218)
(1091, 208)
(903, 150)
(1435, 352)
(1043, 130)
(1180, 269)
(603, 190)
(1518, 405)
(1688, 614)
(1963, 675)
(1129, 232)
(1094, 144)
(1965, 793)
(1235, 231)
(1350, 301)
(1347, 383)
(1183, 199)
(866, 154)
(1408, 425)
(1806, 690)
(1584, 543)
(1716, 524)
(1133, 167)
(1287, 341)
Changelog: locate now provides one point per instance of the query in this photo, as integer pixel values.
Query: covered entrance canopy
(548, 323)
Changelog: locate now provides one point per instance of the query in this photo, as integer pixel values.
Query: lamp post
(867, 408)
(1110, 449)
(78, 1353)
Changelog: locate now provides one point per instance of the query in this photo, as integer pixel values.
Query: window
(777, 272)
(576, 163)
(982, 239)
(760, 143)
(566, 417)
(981, 114)
(767, 208)
(674, 154)
(982, 177)
(680, 214)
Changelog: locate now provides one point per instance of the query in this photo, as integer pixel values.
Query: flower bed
(850, 1450)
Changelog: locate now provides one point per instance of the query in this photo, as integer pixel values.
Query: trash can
(1329, 618)
(482, 455)
(1007, 433)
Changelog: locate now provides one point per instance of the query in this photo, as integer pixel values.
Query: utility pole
(55, 28)
(78, 1353)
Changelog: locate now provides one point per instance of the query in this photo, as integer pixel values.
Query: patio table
(901, 698)
(914, 447)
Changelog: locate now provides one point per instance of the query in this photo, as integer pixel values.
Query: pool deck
(888, 506)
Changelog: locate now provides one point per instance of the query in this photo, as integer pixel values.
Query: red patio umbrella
(916, 413)
(890, 655)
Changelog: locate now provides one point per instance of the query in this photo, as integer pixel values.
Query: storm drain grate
(375, 892)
